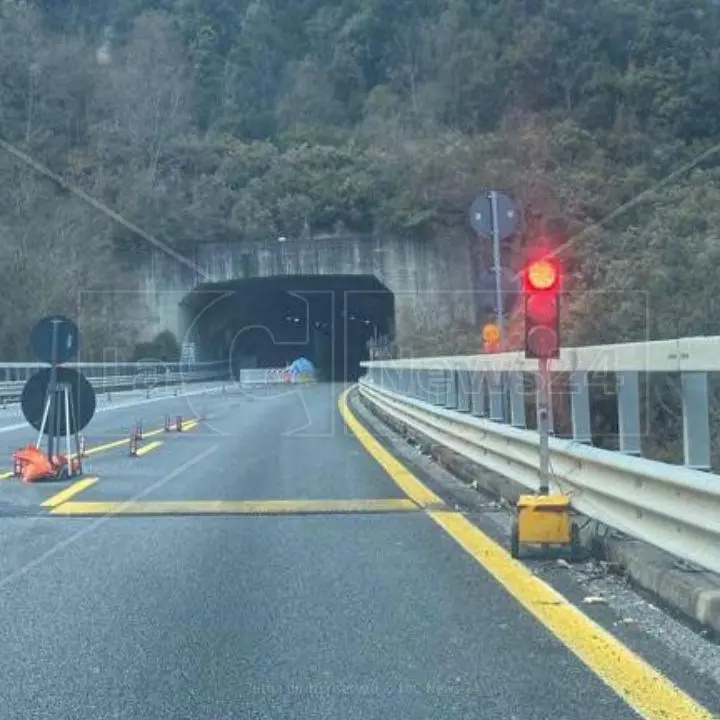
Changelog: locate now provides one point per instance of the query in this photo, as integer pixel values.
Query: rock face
(432, 281)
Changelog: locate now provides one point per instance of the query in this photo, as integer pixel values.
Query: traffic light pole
(496, 265)
(498, 291)
(544, 425)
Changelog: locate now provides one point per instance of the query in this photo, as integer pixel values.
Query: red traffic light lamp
(542, 308)
(542, 274)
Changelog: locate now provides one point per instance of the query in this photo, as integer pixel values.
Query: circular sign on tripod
(80, 394)
(68, 339)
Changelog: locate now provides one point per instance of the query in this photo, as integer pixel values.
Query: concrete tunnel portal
(268, 322)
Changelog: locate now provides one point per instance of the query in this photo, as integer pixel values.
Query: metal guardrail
(495, 386)
(114, 377)
(671, 507)
(142, 376)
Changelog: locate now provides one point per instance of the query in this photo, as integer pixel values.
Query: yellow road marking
(408, 483)
(95, 449)
(235, 507)
(106, 446)
(147, 448)
(69, 492)
(119, 443)
(640, 685)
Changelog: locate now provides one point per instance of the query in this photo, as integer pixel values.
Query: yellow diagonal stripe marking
(642, 687)
(234, 507)
(96, 449)
(67, 493)
(407, 482)
(106, 446)
(147, 448)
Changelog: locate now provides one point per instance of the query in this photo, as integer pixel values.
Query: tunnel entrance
(332, 320)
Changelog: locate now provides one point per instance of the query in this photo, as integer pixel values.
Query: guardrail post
(628, 401)
(696, 420)
(437, 384)
(497, 399)
(580, 407)
(414, 384)
(477, 406)
(451, 395)
(404, 382)
(464, 391)
(516, 383)
(421, 384)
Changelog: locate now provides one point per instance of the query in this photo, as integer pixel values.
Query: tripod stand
(58, 406)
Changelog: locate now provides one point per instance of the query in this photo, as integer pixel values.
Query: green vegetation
(233, 119)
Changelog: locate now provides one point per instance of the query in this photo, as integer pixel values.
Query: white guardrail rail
(105, 377)
(675, 508)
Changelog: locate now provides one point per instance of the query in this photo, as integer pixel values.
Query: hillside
(228, 119)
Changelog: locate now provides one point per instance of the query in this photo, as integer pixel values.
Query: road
(265, 564)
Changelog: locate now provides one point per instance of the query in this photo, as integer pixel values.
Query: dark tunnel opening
(332, 320)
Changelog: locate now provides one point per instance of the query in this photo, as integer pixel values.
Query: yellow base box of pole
(543, 520)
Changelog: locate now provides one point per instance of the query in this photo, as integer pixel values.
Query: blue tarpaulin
(301, 365)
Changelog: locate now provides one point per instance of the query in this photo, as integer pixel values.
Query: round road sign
(82, 399)
(68, 339)
(508, 217)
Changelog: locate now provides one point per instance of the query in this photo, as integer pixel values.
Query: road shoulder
(688, 657)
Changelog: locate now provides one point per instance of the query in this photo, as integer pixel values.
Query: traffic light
(542, 308)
